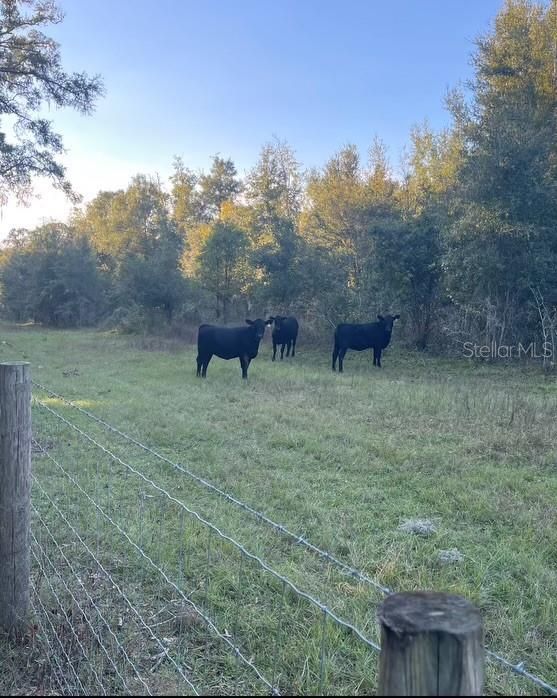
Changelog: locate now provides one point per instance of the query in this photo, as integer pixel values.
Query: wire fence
(135, 591)
(118, 520)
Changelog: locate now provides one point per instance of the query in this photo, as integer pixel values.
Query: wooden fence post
(431, 645)
(15, 493)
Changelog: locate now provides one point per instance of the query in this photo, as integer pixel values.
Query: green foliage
(409, 273)
(501, 241)
(125, 222)
(217, 187)
(153, 280)
(274, 192)
(274, 186)
(462, 245)
(33, 76)
(139, 246)
(511, 133)
(50, 276)
(337, 219)
(184, 199)
(386, 247)
(222, 265)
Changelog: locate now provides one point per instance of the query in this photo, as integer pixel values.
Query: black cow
(229, 343)
(373, 335)
(285, 333)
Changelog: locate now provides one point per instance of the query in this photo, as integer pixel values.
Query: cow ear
(249, 322)
(396, 317)
(380, 317)
(270, 320)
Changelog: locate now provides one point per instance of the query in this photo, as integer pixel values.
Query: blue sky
(192, 78)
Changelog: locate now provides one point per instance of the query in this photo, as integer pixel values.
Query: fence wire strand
(521, 671)
(93, 604)
(280, 528)
(61, 606)
(161, 572)
(42, 635)
(115, 585)
(302, 594)
(46, 615)
(517, 668)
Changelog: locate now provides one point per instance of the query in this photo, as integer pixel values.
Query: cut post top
(424, 611)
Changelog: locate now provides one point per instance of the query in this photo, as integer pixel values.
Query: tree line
(463, 243)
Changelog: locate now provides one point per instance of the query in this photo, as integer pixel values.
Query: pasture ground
(343, 460)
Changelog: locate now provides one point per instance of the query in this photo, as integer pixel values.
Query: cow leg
(335, 354)
(341, 355)
(288, 348)
(205, 364)
(244, 363)
(199, 365)
(282, 351)
(274, 350)
(377, 357)
(293, 347)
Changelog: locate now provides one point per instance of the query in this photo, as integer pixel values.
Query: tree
(222, 264)
(16, 270)
(50, 276)
(123, 222)
(408, 272)
(31, 74)
(139, 245)
(432, 168)
(153, 280)
(274, 186)
(185, 204)
(503, 230)
(199, 201)
(274, 193)
(511, 126)
(347, 209)
(221, 184)
(337, 216)
(380, 181)
(102, 222)
(409, 252)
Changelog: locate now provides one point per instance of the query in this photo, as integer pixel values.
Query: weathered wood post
(15, 493)
(431, 645)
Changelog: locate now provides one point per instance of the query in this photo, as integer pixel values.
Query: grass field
(343, 460)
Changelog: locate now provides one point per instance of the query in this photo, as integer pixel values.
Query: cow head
(278, 320)
(387, 321)
(259, 327)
